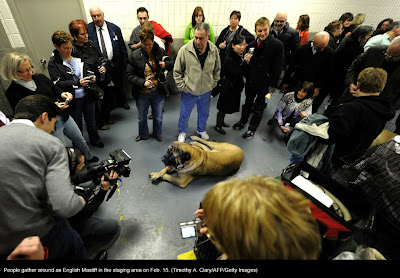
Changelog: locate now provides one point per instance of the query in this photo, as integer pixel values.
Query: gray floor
(149, 213)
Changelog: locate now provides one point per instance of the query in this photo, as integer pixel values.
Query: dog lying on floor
(199, 158)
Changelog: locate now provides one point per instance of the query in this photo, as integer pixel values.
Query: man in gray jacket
(196, 72)
(36, 191)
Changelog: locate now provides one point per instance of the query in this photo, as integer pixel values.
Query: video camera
(118, 162)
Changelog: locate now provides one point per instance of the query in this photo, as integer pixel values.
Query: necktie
(103, 45)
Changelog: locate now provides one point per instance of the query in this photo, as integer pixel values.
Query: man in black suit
(263, 71)
(109, 40)
(312, 62)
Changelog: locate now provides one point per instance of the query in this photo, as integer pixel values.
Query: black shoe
(102, 256)
(226, 125)
(99, 144)
(110, 122)
(220, 130)
(249, 134)
(239, 125)
(104, 127)
(158, 138)
(150, 116)
(94, 159)
(126, 106)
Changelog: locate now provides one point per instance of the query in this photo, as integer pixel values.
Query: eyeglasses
(26, 71)
(279, 21)
(390, 56)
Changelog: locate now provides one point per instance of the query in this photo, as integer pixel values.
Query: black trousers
(256, 97)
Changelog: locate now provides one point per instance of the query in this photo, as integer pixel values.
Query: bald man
(114, 48)
(281, 30)
(312, 62)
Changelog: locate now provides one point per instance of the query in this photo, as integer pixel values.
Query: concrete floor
(150, 213)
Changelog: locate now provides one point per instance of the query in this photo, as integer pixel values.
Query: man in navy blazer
(115, 49)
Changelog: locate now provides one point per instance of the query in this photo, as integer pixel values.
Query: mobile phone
(251, 50)
(66, 101)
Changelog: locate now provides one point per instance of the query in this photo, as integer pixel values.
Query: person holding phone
(17, 68)
(72, 75)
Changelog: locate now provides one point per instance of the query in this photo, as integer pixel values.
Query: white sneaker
(203, 135)
(182, 137)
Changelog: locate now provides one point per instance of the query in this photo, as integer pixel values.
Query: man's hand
(353, 89)
(30, 248)
(105, 185)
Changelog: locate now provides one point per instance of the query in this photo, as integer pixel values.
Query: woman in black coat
(348, 50)
(227, 34)
(231, 82)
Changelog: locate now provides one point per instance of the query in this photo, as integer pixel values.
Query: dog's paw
(154, 176)
(194, 138)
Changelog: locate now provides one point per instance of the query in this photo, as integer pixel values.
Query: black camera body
(119, 162)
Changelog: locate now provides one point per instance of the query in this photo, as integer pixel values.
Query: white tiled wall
(175, 15)
(8, 22)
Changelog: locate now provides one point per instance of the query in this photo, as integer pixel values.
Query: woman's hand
(303, 114)
(67, 95)
(284, 129)
(222, 45)
(200, 214)
(247, 57)
(86, 80)
(148, 84)
(102, 70)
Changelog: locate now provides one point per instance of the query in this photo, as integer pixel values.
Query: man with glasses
(392, 31)
(109, 40)
(385, 57)
(159, 32)
(281, 30)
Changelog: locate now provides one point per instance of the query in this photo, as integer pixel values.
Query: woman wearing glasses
(72, 75)
(144, 71)
(197, 17)
(17, 68)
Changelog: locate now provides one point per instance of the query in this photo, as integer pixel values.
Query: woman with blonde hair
(256, 218)
(18, 68)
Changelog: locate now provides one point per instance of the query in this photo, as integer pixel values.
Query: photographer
(98, 234)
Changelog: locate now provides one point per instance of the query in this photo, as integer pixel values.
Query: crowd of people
(355, 65)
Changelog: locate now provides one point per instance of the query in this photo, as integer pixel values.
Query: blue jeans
(188, 101)
(88, 110)
(143, 102)
(72, 131)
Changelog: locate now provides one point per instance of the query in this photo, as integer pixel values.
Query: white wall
(8, 22)
(175, 15)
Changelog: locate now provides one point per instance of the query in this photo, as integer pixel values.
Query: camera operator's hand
(30, 248)
(200, 214)
(105, 185)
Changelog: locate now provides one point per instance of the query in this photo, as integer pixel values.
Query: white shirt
(107, 40)
(23, 121)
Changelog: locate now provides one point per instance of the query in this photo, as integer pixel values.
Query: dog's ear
(185, 156)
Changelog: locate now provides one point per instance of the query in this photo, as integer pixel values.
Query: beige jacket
(188, 75)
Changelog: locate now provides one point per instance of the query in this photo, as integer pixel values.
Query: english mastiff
(199, 158)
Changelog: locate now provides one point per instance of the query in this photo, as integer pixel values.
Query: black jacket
(290, 39)
(375, 57)
(137, 63)
(353, 126)
(93, 58)
(16, 92)
(306, 66)
(264, 69)
(63, 76)
(232, 83)
(222, 37)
